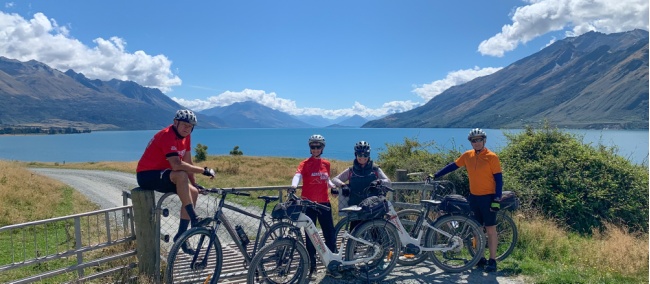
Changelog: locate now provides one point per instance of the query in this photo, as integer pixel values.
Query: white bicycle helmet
(476, 132)
(317, 138)
(362, 146)
(186, 115)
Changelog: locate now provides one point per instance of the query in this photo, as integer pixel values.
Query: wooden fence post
(145, 230)
(401, 175)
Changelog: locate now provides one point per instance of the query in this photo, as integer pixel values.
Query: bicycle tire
(408, 217)
(276, 256)
(180, 264)
(338, 231)
(279, 230)
(376, 231)
(465, 233)
(507, 234)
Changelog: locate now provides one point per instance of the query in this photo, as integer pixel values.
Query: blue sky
(331, 58)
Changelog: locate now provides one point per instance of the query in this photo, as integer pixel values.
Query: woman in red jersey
(315, 173)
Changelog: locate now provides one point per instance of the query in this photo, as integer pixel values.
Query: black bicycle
(197, 257)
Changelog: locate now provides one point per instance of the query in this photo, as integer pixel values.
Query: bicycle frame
(406, 239)
(222, 219)
(324, 252)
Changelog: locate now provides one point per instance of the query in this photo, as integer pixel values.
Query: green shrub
(581, 185)
(236, 152)
(553, 172)
(428, 157)
(201, 153)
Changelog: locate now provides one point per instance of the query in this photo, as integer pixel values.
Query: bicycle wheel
(193, 260)
(379, 232)
(339, 229)
(507, 235)
(280, 230)
(464, 239)
(283, 261)
(408, 218)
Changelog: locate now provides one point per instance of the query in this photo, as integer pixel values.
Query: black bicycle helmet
(362, 147)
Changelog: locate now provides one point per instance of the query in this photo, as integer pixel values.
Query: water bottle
(242, 235)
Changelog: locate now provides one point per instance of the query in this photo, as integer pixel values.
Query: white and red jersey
(166, 143)
(315, 174)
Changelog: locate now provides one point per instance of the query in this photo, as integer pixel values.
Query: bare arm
(183, 165)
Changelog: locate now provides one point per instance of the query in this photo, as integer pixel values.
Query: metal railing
(81, 239)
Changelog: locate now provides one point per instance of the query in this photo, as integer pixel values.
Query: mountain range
(592, 81)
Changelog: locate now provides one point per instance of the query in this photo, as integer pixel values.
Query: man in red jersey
(315, 174)
(485, 187)
(166, 166)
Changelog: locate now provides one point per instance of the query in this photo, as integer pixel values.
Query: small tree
(201, 153)
(236, 152)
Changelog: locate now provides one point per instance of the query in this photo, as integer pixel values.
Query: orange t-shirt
(480, 169)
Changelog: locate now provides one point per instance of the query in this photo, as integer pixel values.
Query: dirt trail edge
(105, 189)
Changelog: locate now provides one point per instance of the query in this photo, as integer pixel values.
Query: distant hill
(33, 94)
(253, 115)
(353, 121)
(592, 81)
(316, 120)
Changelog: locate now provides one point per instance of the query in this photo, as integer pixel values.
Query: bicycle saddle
(430, 202)
(268, 199)
(353, 208)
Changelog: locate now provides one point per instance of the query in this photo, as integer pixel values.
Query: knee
(179, 177)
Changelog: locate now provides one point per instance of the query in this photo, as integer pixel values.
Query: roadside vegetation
(584, 215)
(583, 219)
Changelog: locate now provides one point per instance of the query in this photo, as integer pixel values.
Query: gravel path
(105, 189)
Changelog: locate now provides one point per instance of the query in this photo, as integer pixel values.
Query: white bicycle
(454, 242)
(371, 250)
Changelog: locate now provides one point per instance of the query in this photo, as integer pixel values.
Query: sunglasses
(477, 140)
(363, 155)
(315, 147)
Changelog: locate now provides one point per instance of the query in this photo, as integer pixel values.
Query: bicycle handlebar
(224, 191)
(307, 202)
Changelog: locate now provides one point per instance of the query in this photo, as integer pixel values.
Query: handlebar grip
(321, 206)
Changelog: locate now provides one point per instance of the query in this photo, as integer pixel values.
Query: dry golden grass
(127, 167)
(244, 171)
(25, 196)
(613, 252)
(232, 171)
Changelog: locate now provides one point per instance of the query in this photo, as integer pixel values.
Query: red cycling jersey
(166, 143)
(315, 176)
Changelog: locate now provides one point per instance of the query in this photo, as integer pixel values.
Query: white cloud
(271, 100)
(44, 40)
(579, 16)
(428, 91)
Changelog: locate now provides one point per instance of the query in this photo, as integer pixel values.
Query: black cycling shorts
(156, 180)
(480, 205)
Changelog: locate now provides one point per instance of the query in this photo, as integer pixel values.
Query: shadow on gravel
(425, 273)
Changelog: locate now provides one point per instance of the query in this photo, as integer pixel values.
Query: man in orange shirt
(485, 186)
